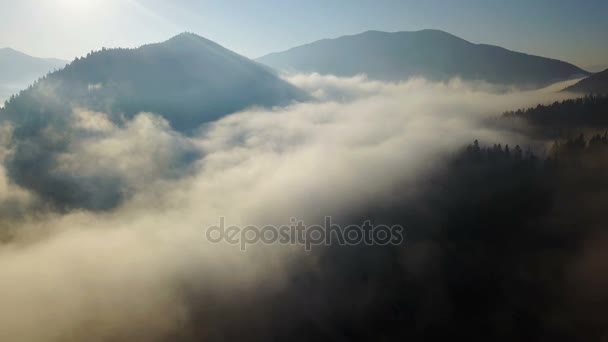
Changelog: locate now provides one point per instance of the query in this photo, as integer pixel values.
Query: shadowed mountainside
(596, 84)
(187, 80)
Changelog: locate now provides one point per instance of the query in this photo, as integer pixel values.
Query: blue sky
(575, 31)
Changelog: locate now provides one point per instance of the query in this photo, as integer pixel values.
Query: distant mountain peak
(430, 53)
(192, 42)
(13, 52)
(430, 30)
(187, 36)
(18, 70)
(378, 33)
(187, 79)
(190, 38)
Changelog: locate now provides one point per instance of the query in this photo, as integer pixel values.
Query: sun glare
(79, 5)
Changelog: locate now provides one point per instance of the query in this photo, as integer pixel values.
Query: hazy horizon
(407, 186)
(572, 32)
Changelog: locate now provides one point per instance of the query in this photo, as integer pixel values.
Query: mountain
(16, 66)
(596, 83)
(18, 70)
(188, 79)
(596, 67)
(432, 54)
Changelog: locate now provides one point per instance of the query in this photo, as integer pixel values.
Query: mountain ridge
(187, 81)
(10, 50)
(429, 53)
(186, 73)
(18, 70)
(596, 84)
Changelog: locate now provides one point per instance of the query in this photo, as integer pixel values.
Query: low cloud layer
(131, 261)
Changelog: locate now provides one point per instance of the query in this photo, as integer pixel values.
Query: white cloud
(121, 274)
